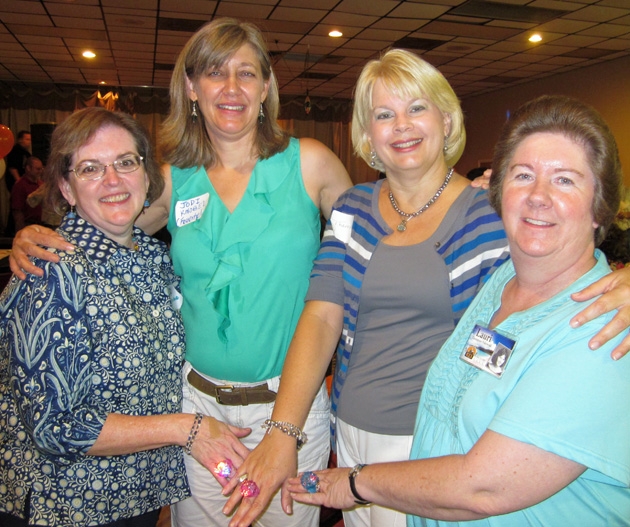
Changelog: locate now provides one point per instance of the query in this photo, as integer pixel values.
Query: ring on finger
(310, 482)
(249, 489)
(224, 469)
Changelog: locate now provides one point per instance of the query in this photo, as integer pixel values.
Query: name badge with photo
(488, 350)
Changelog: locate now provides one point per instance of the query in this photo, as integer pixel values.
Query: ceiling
(480, 46)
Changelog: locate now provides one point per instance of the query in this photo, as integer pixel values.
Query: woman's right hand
(270, 464)
(217, 441)
(34, 241)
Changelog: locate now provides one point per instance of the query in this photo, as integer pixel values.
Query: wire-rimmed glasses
(92, 171)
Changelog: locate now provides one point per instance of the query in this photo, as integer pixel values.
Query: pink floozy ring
(249, 489)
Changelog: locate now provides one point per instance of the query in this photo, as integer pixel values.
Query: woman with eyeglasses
(91, 429)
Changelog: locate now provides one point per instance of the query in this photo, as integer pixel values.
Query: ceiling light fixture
(88, 54)
(335, 33)
(535, 38)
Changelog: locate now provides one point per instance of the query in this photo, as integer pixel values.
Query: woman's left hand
(334, 489)
(614, 289)
(217, 441)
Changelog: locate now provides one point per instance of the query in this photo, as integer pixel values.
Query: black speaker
(40, 140)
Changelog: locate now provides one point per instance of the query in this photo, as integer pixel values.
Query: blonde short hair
(407, 75)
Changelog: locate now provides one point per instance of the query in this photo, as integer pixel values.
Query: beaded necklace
(408, 216)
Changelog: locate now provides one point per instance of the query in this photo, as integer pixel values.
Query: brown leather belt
(232, 395)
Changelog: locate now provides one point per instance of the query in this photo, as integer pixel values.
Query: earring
(261, 114)
(146, 203)
(194, 115)
(71, 213)
(372, 158)
(445, 144)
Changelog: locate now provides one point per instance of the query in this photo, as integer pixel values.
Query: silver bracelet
(289, 429)
(194, 430)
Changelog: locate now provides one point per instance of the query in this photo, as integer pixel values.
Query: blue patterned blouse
(99, 333)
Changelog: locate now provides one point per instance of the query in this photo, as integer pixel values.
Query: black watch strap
(353, 474)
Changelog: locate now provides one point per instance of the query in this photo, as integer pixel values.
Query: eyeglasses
(90, 171)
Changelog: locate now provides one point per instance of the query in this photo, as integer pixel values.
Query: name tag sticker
(488, 350)
(176, 297)
(342, 225)
(190, 210)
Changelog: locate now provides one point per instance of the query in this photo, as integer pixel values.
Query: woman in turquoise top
(545, 440)
(243, 202)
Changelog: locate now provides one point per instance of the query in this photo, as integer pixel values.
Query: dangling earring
(194, 115)
(71, 213)
(372, 158)
(261, 114)
(445, 144)
(147, 203)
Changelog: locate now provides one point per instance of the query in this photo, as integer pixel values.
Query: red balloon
(6, 140)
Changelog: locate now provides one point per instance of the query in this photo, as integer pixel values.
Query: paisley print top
(99, 333)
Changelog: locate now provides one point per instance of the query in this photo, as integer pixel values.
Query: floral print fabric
(99, 333)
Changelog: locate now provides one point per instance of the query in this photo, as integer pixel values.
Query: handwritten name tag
(342, 225)
(190, 210)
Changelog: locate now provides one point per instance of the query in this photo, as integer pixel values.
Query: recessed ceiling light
(102, 82)
(535, 38)
(335, 34)
(89, 54)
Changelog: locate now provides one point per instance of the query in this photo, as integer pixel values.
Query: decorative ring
(243, 477)
(310, 482)
(224, 469)
(249, 489)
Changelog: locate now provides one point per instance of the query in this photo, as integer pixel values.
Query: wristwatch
(357, 497)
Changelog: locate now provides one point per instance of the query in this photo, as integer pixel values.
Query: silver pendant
(402, 226)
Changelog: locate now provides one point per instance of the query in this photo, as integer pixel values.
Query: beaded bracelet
(194, 430)
(287, 428)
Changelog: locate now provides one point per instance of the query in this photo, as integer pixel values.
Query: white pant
(204, 508)
(356, 446)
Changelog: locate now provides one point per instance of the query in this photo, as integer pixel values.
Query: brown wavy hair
(184, 143)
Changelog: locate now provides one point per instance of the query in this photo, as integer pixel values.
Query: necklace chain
(408, 216)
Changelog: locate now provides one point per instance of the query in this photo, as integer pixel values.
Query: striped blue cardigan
(471, 251)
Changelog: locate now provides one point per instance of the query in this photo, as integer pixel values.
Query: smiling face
(229, 96)
(547, 201)
(112, 202)
(407, 134)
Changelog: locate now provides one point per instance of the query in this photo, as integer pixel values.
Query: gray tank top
(404, 318)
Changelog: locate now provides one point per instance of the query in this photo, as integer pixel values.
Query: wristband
(357, 497)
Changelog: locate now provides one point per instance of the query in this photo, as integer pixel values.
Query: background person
(531, 447)
(91, 352)
(16, 159)
(23, 213)
(243, 202)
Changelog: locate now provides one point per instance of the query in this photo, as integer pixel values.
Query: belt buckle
(219, 389)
